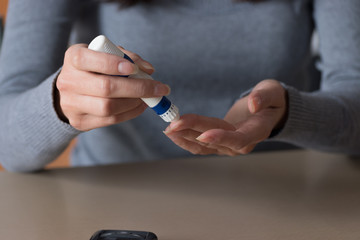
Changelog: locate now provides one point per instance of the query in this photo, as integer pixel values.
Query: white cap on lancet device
(161, 105)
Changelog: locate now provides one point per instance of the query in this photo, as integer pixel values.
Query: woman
(210, 52)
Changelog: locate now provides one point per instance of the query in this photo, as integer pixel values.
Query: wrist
(284, 116)
(57, 106)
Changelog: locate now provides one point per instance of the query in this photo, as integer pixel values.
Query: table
(293, 194)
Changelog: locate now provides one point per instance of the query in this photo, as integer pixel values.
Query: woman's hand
(89, 94)
(249, 121)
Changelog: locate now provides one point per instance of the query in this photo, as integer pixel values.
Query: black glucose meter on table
(123, 235)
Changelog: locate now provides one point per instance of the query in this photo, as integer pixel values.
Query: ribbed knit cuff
(302, 120)
(52, 127)
(36, 128)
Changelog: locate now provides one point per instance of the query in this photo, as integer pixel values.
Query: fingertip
(174, 126)
(202, 138)
(145, 66)
(206, 137)
(162, 90)
(167, 130)
(127, 68)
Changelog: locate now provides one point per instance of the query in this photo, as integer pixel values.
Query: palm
(249, 121)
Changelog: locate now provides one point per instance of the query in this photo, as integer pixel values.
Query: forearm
(36, 37)
(31, 134)
(329, 118)
(324, 120)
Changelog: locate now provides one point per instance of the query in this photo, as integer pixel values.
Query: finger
(238, 112)
(247, 149)
(253, 131)
(232, 139)
(191, 146)
(221, 150)
(199, 123)
(143, 65)
(96, 106)
(224, 151)
(85, 59)
(191, 136)
(88, 122)
(99, 85)
(266, 94)
(188, 134)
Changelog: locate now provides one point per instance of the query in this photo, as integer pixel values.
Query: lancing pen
(161, 105)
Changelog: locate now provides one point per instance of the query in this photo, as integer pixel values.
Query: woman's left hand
(249, 121)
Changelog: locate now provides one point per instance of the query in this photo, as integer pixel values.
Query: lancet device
(161, 105)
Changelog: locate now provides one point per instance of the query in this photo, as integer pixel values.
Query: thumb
(266, 94)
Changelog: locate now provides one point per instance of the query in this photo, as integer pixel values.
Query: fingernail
(162, 90)
(257, 100)
(254, 104)
(147, 65)
(175, 125)
(200, 138)
(205, 139)
(167, 130)
(127, 68)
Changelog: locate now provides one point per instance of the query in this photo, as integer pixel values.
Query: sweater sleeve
(35, 39)
(328, 119)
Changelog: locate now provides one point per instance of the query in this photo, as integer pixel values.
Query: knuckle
(141, 89)
(106, 85)
(61, 83)
(272, 81)
(105, 107)
(65, 103)
(106, 64)
(77, 56)
(69, 53)
(111, 120)
(267, 82)
(114, 119)
(76, 123)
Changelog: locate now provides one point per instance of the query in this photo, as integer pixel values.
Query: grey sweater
(208, 51)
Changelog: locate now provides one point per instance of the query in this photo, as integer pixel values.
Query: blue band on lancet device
(128, 58)
(162, 106)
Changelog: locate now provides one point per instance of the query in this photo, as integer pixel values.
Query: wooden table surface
(279, 195)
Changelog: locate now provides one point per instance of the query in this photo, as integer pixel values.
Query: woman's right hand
(89, 95)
